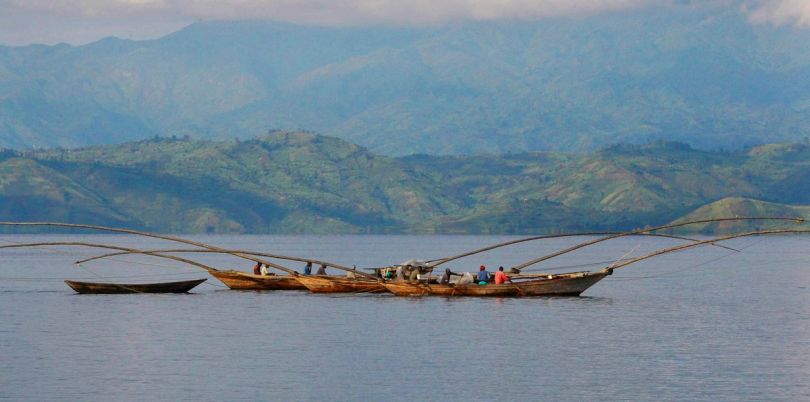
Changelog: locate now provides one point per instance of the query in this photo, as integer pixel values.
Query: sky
(24, 22)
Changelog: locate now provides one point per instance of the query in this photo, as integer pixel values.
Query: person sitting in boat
(400, 274)
(321, 270)
(483, 275)
(263, 270)
(351, 274)
(257, 269)
(446, 276)
(414, 276)
(308, 268)
(501, 277)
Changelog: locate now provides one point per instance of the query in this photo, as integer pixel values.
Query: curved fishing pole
(146, 234)
(686, 246)
(798, 220)
(107, 246)
(224, 251)
(227, 251)
(191, 242)
(440, 261)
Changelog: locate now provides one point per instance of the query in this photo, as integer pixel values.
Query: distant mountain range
(702, 75)
(293, 182)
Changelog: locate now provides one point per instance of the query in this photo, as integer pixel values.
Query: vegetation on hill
(297, 182)
(736, 206)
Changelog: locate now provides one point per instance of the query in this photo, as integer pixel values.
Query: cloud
(328, 11)
(780, 12)
(81, 21)
(49, 21)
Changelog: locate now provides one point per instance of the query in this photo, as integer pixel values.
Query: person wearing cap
(501, 277)
(483, 275)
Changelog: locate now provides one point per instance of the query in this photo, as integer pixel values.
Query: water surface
(706, 324)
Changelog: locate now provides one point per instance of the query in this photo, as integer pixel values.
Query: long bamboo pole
(686, 246)
(191, 242)
(111, 247)
(439, 261)
(146, 234)
(224, 251)
(635, 232)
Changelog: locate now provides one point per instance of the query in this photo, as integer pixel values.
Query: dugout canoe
(121, 288)
(340, 284)
(567, 284)
(238, 280)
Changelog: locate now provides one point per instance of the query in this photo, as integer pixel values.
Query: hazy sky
(81, 21)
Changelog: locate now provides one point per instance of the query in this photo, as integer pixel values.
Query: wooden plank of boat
(568, 284)
(238, 280)
(340, 284)
(419, 289)
(119, 288)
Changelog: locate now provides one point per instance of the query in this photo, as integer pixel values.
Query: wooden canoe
(568, 284)
(340, 284)
(119, 288)
(238, 280)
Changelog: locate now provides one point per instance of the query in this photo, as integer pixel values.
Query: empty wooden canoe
(116, 288)
(238, 280)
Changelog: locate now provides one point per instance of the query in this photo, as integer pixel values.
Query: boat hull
(420, 289)
(562, 286)
(122, 288)
(237, 280)
(571, 284)
(340, 284)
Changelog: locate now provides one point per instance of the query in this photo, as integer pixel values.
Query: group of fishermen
(413, 272)
(261, 269)
(482, 278)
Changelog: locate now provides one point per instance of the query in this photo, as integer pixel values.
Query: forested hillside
(293, 182)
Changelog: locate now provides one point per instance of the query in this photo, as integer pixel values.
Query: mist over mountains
(703, 76)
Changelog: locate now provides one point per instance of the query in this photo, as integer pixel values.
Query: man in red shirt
(500, 277)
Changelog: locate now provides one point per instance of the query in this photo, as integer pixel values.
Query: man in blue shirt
(483, 275)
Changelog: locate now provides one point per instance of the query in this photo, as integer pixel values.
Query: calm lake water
(706, 324)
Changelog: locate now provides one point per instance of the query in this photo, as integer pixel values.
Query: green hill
(281, 183)
(298, 182)
(736, 206)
